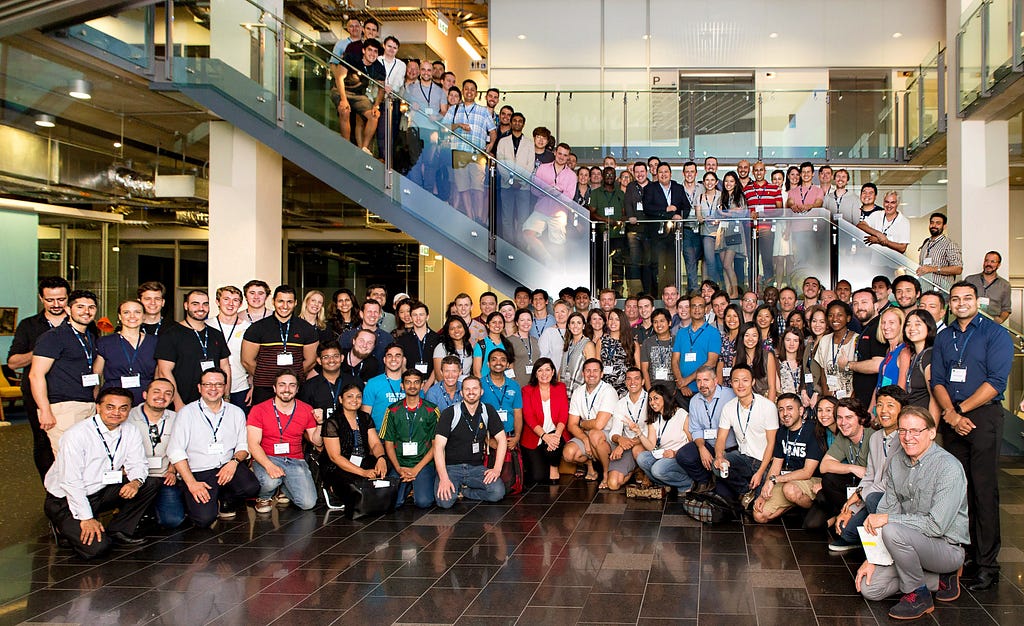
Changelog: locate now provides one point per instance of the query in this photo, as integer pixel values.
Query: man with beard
(939, 256)
(189, 348)
(870, 351)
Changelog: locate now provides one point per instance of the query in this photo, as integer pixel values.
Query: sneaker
(264, 505)
(331, 503)
(282, 500)
(949, 586)
(704, 487)
(842, 545)
(913, 605)
(746, 499)
(226, 513)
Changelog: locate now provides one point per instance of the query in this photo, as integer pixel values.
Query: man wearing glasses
(53, 295)
(922, 521)
(209, 449)
(155, 421)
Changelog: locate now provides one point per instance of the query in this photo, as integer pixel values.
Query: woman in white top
(784, 253)
(707, 203)
(454, 340)
(667, 430)
(577, 349)
(836, 351)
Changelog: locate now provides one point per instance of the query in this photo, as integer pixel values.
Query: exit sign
(442, 23)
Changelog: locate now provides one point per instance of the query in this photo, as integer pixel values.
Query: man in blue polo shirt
(971, 361)
(695, 345)
(505, 395)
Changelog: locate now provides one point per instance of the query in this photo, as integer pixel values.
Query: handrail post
(280, 36)
(169, 40)
(678, 254)
(492, 208)
(389, 139)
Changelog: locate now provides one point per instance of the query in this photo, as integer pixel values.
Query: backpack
(706, 510)
(512, 470)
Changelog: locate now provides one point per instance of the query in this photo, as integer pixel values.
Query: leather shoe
(984, 580)
(121, 538)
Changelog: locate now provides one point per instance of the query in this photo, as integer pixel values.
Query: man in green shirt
(408, 435)
(607, 204)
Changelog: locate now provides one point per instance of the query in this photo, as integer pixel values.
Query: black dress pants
(126, 520)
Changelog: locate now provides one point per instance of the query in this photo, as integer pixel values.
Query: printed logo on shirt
(796, 449)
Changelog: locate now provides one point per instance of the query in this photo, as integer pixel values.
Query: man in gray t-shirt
(656, 351)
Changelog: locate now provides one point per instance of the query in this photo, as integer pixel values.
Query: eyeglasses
(912, 433)
(212, 385)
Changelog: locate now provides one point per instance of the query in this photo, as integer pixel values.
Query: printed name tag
(285, 358)
(691, 357)
(529, 369)
(658, 453)
(155, 462)
(421, 368)
(850, 491)
(476, 447)
(131, 382)
(927, 260)
(380, 484)
(958, 375)
(609, 211)
(428, 110)
(206, 365)
(409, 448)
(709, 433)
(608, 369)
(215, 448)
(726, 371)
(661, 373)
(281, 448)
(112, 477)
(809, 378)
(983, 301)
(90, 380)
(356, 460)
(639, 207)
(503, 414)
(510, 373)
(833, 381)
(840, 393)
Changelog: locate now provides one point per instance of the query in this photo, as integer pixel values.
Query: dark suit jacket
(655, 206)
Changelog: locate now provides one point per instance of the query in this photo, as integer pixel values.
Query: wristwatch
(773, 478)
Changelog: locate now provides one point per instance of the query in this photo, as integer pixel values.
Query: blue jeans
(692, 253)
(664, 471)
(422, 487)
(712, 266)
(169, 505)
(741, 469)
(469, 480)
(857, 520)
(298, 482)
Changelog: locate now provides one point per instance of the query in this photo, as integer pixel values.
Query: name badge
(281, 448)
(840, 393)
(958, 375)
(510, 373)
(356, 460)
(639, 207)
(529, 369)
(428, 110)
(833, 381)
(726, 371)
(503, 415)
(690, 357)
(90, 380)
(380, 484)
(809, 378)
(285, 358)
(421, 368)
(661, 373)
(112, 477)
(206, 365)
(735, 229)
(927, 260)
(608, 369)
(131, 382)
(850, 491)
(215, 448)
(609, 211)
(410, 448)
(476, 447)
(155, 462)
(709, 433)
(983, 301)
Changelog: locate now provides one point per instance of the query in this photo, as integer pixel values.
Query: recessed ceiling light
(897, 35)
(773, 35)
(645, 37)
(942, 181)
(45, 121)
(520, 36)
(117, 144)
(80, 89)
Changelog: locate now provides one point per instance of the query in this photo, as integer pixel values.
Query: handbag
(373, 496)
(511, 470)
(734, 239)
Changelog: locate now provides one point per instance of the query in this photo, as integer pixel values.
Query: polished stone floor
(554, 555)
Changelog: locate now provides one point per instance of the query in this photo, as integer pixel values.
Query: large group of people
(849, 407)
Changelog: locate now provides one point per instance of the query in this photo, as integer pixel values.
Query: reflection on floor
(554, 555)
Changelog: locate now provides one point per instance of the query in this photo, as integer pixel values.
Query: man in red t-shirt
(765, 202)
(275, 429)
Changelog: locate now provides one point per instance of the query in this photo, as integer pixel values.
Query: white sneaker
(331, 505)
(282, 500)
(368, 151)
(264, 505)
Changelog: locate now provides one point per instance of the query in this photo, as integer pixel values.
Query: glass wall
(328, 265)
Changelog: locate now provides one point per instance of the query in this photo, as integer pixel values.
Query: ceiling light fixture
(520, 37)
(117, 144)
(80, 89)
(468, 47)
(942, 181)
(773, 35)
(897, 35)
(45, 121)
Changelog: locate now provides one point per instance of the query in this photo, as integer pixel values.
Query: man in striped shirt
(765, 201)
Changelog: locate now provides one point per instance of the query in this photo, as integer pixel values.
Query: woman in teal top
(495, 338)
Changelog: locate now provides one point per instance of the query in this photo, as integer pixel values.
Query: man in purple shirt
(555, 183)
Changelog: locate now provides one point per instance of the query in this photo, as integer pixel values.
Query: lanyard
(640, 405)
(277, 416)
(709, 205)
(334, 389)
(465, 112)
(134, 354)
(590, 407)
(410, 417)
(227, 336)
(86, 341)
(467, 418)
(860, 446)
(250, 316)
(661, 431)
(836, 351)
(392, 387)
(387, 76)
(691, 337)
(790, 442)
(711, 410)
(430, 91)
(668, 193)
(156, 331)
(915, 361)
(494, 390)
(352, 368)
(691, 197)
(110, 455)
(155, 435)
(284, 329)
(803, 194)
(357, 436)
(528, 347)
(885, 229)
(743, 427)
(421, 344)
(961, 353)
(886, 441)
(220, 418)
(542, 328)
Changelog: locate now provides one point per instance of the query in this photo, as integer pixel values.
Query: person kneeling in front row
(89, 477)
(459, 447)
(921, 519)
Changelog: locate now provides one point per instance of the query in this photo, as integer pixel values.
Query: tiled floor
(555, 555)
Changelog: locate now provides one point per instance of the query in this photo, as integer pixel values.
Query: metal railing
(989, 51)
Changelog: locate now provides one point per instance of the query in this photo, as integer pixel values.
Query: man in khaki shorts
(797, 453)
(62, 378)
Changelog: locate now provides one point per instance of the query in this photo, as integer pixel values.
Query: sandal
(580, 472)
(591, 477)
(603, 485)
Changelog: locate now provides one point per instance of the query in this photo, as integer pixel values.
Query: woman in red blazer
(545, 413)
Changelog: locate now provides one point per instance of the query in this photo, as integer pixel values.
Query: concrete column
(245, 176)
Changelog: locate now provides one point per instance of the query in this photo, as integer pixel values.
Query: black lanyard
(743, 427)
(590, 408)
(643, 400)
(277, 416)
(494, 390)
(790, 442)
(110, 455)
(227, 337)
(220, 418)
(284, 329)
(426, 96)
(960, 354)
(134, 354)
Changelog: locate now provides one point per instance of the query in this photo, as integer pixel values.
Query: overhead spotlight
(45, 121)
(117, 144)
(520, 37)
(897, 35)
(773, 35)
(80, 89)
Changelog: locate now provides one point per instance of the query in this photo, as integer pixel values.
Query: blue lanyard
(691, 337)
(528, 347)
(643, 399)
(134, 354)
(743, 428)
(540, 328)
(334, 389)
(284, 330)
(494, 390)
(421, 344)
(392, 387)
(835, 352)
(960, 353)
(661, 431)
(220, 418)
(590, 408)
(277, 416)
(86, 344)
(710, 411)
(110, 455)
(860, 447)
(886, 441)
